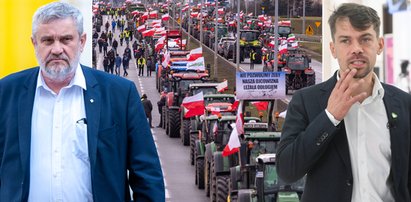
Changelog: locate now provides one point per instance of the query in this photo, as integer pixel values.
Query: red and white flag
(165, 17)
(215, 128)
(195, 54)
(220, 11)
(282, 48)
(294, 44)
(239, 119)
(221, 87)
(153, 14)
(233, 144)
(149, 32)
(141, 28)
(194, 105)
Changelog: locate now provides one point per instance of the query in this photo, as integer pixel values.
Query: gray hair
(57, 11)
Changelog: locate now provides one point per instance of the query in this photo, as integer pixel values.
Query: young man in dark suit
(350, 135)
(69, 132)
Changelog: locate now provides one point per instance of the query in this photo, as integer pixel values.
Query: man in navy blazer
(71, 133)
(349, 136)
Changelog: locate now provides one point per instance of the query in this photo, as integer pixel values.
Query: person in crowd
(148, 107)
(118, 64)
(141, 62)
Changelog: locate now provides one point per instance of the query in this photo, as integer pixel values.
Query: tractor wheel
(213, 183)
(185, 132)
(222, 188)
(200, 173)
(192, 147)
(310, 79)
(174, 123)
(166, 120)
(207, 177)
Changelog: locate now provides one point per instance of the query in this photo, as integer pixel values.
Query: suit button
(349, 183)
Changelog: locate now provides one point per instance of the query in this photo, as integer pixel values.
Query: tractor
(268, 186)
(179, 82)
(298, 72)
(249, 40)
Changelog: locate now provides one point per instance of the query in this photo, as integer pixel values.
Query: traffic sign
(318, 23)
(309, 31)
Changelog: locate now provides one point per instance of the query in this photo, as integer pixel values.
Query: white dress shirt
(59, 160)
(370, 147)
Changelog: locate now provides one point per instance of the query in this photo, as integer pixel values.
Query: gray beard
(58, 72)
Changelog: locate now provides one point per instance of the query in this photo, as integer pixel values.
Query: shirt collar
(377, 90)
(78, 80)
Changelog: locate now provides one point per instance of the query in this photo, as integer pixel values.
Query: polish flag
(221, 87)
(261, 105)
(165, 17)
(194, 105)
(149, 32)
(185, 8)
(141, 28)
(282, 48)
(215, 129)
(239, 119)
(195, 54)
(166, 59)
(233, 144)
(153, 14)
(194, 14)
(220, 11)
(145, 16)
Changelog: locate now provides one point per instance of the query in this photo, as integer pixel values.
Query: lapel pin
(394, 115)
(92, 100)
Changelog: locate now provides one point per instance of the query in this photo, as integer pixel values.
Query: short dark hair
(361, 17)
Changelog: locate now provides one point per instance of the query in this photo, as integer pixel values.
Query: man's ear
(83, 39)
(33, 41)
(332, 48)
(380, 45)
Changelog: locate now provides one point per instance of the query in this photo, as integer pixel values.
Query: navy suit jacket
(311, 145)
(119, 139)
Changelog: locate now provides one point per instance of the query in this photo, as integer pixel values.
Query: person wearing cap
(148, 107)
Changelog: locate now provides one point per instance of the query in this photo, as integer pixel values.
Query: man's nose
(356, 47)
(57, 48)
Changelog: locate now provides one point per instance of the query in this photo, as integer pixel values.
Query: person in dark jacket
(160, 104)
(148, 107)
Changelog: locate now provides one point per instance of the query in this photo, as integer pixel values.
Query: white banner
(260, 85)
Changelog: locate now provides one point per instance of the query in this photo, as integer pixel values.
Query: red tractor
(298, 73)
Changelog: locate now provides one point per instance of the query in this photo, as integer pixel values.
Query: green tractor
(249, 40)
(268, 186)
(213, 136)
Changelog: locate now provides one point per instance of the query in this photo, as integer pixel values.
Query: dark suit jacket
(312, 145)
(119, 139)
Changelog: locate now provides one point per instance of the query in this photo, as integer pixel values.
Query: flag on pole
(233, 144)
(239, 119)
(149, 32)
(141, 28)
(221, 87)
(195, 53)
(165, 17)
(194, 105)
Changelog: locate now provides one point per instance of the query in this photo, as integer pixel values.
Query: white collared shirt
(59, 160)
(370, 147)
